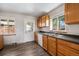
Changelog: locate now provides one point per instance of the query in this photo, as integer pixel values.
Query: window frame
(58, 29)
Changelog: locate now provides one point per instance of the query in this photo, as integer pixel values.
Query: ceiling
(33, 9)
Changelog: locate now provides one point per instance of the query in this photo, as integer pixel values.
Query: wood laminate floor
(25, 49)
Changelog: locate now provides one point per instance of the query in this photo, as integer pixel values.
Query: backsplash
(72, 28)
(46, 29)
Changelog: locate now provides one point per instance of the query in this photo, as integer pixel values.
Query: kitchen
(56, 31)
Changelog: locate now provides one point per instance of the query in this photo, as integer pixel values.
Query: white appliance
(40, 39)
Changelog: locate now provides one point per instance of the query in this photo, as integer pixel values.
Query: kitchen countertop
(72, 34)
(71, 38)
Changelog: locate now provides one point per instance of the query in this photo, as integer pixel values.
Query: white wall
(19, 23)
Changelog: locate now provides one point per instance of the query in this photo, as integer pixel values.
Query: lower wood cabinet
(51, 45)
(1, 41)
(60, 47)
(65, 48)
(45, 42)
(36, 37)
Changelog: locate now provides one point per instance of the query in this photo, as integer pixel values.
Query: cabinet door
(45, 42)
(65, 48)
(71, 13)
(38, 23)
(43, 21)
(66, 14)
(52, 45)
(47, 20)
(36, 37)
(1, 41)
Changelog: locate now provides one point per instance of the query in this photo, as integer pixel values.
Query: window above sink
(57, 23)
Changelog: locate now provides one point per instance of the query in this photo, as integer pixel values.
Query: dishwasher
(40, 39)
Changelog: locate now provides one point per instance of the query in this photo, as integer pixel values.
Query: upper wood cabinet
(51, 45)
(45, 42)
(39, 22)
(43, 21)
(1, 41)
(47, 20)
(72, 13)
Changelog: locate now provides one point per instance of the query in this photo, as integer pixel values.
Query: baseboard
(24, 42)
(14, 44)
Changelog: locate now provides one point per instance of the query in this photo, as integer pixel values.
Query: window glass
(61, 23)
(54, 23)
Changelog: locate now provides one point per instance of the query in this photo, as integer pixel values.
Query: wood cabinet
(45, 42)
(36, 37)
(65, 48)
(47, 20)
(43, 21)
(1, 41)
(60, 47)
(51, 45)
(39, 23)
(71, 13)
